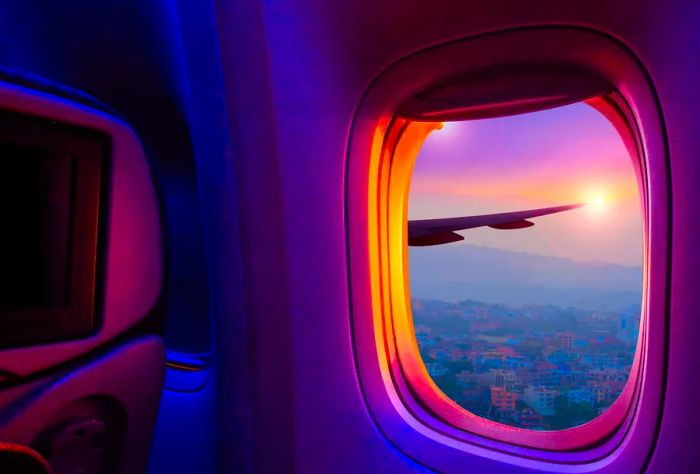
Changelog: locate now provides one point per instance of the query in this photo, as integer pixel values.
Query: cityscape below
(539, 367)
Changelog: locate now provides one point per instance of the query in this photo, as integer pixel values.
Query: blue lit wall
(125, 53)
(140, 61)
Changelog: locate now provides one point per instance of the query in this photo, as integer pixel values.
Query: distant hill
(459, 272)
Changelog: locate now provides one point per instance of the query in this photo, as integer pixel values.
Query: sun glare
(597, 202)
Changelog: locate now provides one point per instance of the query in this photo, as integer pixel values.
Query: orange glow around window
(395, 147)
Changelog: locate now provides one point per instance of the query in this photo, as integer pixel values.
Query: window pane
(530, 326)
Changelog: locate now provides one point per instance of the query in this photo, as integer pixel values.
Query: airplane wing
(442, 231)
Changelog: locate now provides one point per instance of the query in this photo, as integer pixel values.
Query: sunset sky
(561, 156)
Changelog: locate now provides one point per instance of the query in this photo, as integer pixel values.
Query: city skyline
(539, 367)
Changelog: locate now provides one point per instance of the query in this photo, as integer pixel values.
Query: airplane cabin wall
(129, 56)
(295, 72)
(125, 54)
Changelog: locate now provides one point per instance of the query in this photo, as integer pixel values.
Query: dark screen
(36, 195)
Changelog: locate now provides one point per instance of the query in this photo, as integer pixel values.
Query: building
(541, 399)
(565, 340)
(501, 378)
(529, 419)
(467, 378)
(581, 395)
(503, 399)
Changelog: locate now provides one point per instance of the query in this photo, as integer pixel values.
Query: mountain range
(458, 272)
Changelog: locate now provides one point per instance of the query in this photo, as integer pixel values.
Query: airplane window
(525, 257)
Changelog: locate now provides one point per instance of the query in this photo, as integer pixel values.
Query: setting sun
(597, 201)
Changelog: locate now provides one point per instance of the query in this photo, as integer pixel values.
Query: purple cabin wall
(296, 72)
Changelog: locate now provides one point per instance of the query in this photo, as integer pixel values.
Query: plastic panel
(132, 270)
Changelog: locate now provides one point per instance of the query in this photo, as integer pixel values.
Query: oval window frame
(403, 147)
(391, 399)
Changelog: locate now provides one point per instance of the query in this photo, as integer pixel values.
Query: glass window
(532, 319)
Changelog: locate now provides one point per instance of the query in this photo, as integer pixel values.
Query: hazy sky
(560, 156)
